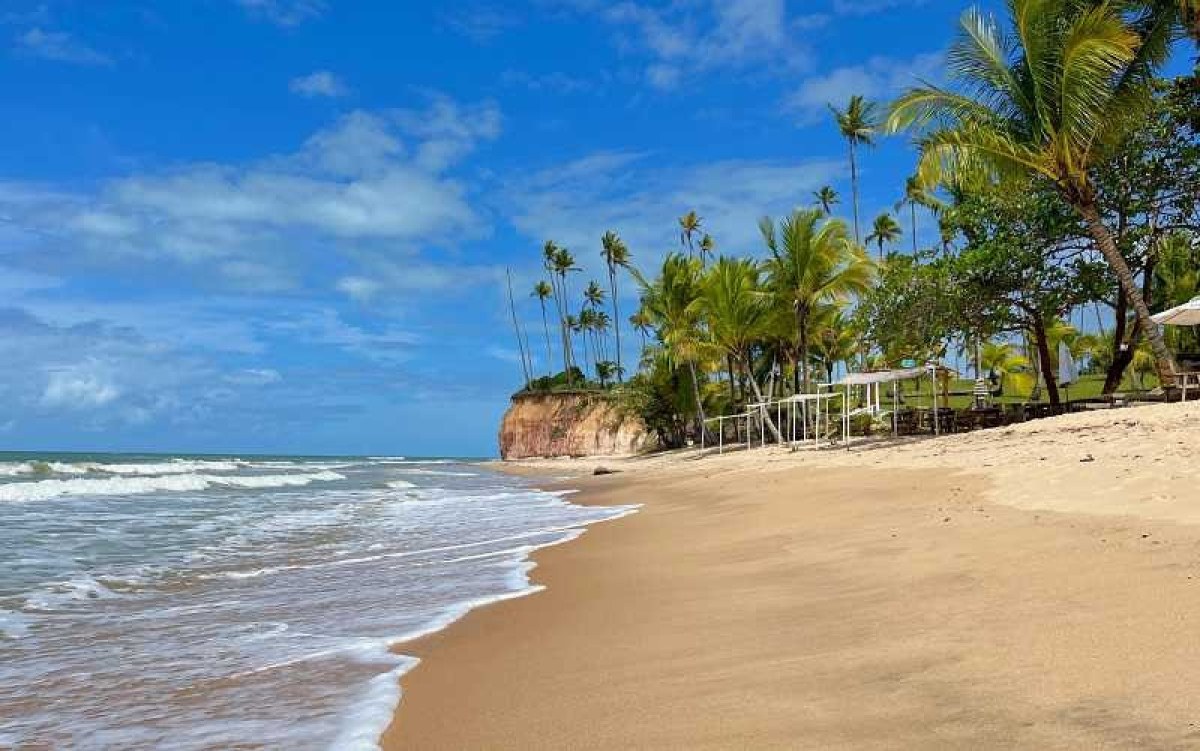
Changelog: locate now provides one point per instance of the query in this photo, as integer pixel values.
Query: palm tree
(615, 254)
(668, 302)
(737, 310)
(641, 323)
(813, 262)
(579, 325)
(542, 291)
(916, 195)
(593, 294)
(603, 323)
(689, 225)
(884, 230)
(550, 259)
(1043, 101)
(857, 125)
(827, 198)
(834, 338)
(708, 247)
(563, 263)
(605, 371)
(1010, 366)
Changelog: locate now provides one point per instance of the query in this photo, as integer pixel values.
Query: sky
(282, 226)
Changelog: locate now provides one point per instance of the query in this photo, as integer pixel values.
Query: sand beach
(1036, 586)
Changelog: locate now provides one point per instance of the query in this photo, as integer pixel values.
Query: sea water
(221, 602)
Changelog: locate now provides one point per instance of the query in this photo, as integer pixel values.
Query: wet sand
(776, 601)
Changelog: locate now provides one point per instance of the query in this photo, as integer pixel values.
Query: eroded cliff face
(547, 425)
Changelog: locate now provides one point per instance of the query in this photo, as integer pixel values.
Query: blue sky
(282, 225)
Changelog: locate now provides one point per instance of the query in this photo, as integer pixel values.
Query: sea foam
(42, 490)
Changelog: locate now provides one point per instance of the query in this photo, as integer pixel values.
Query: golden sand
(980, 591)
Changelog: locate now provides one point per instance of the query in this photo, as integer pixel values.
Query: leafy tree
(1044, 101)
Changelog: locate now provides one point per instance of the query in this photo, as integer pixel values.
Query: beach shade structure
(872, 381)
(1187, 314)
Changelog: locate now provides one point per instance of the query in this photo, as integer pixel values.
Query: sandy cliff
(542, 425)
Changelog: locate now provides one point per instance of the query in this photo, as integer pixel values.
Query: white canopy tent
(872, 381)
(1187, 314)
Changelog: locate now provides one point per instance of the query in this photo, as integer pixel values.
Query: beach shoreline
(896, 597)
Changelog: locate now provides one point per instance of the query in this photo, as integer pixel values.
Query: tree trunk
(802, 344)
(732, 391)
(1108, 248)
(912, 207)
(612, 283)
(1044, 362)
(699, 400)
(758, 397)
(549, 351)
(1121, 356)
(854, 192)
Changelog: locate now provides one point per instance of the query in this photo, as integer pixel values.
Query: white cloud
(868, 7)
(556, 82)
(879, 78)
(575, 203)
(285, 12)
(370, 178)
(79, 387)
(320, 83)
(481, 23)
(254, 377)
(358, 288)
(59, 47)
(690, 37)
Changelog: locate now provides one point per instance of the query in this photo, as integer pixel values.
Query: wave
(136, 485)
(435, 473)
(400, 484)
(79, 589)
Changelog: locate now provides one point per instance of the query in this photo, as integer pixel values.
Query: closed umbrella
(1067, 372)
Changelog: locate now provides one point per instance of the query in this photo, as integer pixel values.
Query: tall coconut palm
(1043, 100)
(708, 247)
(916, 194)
(593, 294)
(834, 338)
(737, 310)
(884, 230)
(689, 225)
(813, 262)
(641, 323)
(585, 324)
(857, 124)
(550, 258)
(616, 255)
(669, 302)
(543, 291)
(826, 198)
(563, 263)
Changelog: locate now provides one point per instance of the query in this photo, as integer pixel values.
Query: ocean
(200, 602)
